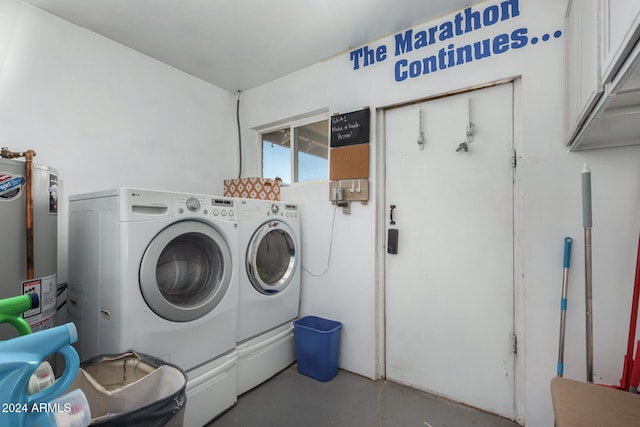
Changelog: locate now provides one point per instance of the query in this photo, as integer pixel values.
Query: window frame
(293, 149)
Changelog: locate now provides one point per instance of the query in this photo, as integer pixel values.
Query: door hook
(420, 132)
(391, 221)
(465, 145)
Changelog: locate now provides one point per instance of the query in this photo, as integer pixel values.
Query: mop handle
(586, 197)
(588, 278)
(563, 303)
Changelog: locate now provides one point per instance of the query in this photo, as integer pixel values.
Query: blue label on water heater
(10, 185)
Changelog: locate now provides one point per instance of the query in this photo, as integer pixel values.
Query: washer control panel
(223, 208)
(208, 206)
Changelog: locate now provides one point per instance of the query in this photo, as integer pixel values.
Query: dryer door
(185, 271)
(272, 257)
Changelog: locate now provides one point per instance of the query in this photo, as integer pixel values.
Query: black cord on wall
(333, 221)
(239, 136)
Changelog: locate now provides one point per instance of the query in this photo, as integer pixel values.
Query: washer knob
(275, 209)
(193, 204)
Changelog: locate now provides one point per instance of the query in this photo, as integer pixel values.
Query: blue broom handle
(563, 303)
(567, 251)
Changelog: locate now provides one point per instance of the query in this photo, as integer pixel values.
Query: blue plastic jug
(19, 358)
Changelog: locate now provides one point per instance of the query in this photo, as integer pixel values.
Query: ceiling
(242, 44)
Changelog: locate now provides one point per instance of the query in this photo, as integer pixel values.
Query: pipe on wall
(28, 155)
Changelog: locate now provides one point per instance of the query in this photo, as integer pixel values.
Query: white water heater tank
(13, 255)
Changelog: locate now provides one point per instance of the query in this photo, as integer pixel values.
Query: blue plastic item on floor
(19, 358)
(317, 346)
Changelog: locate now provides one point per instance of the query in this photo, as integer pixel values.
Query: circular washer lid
(185, 271)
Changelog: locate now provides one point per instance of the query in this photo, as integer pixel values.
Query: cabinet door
(583, 73)
(620, 28)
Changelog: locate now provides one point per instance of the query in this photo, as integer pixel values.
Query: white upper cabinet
(583, 72)
(619, 30)
(603, 73)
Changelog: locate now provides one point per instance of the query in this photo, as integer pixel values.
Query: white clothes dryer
(270, 274)
(269, 289)
(157, 272)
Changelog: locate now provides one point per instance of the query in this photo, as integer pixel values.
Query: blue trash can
(317, 346)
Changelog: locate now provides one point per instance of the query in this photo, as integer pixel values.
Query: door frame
(518, 261)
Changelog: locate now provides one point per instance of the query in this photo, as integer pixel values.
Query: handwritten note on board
(350, 128)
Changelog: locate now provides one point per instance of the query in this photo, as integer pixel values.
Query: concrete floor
(349, 400)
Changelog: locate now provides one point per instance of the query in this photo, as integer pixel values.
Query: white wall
(8, 14)
(338, 275)
(548, 205)
(105, 116)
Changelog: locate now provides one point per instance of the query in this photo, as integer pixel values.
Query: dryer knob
(193, 204)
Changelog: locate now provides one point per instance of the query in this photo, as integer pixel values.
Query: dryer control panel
(286, 210)
(291, 211)
(255, 209)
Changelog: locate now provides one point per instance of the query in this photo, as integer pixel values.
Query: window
(276, 155)
(301, 158)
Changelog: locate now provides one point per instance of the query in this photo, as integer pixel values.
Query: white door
(449, 288)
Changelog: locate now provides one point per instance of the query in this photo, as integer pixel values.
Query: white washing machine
(156, 272)
(269, 289)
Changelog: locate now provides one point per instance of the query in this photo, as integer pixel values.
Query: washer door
(272, 257)
(185, 271)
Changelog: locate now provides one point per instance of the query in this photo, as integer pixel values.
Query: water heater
(13, 240)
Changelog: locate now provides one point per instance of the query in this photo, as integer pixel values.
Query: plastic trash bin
(317, 346)
(133, 389)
